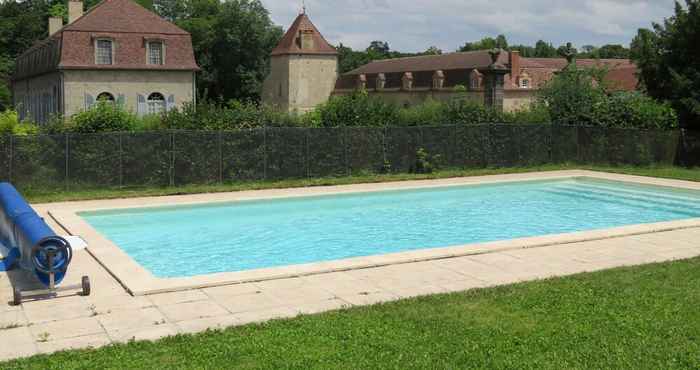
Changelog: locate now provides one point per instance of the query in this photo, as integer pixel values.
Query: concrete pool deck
(112, 315)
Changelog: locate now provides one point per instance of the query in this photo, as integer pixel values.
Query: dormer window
(524, 81)
(155, 52)
(104, 51)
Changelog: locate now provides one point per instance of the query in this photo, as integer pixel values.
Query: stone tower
(304, 69)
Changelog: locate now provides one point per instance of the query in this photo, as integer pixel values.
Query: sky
(415, 25)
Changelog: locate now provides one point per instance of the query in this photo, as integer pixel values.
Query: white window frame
(525, 83)
(162, 52)
(156, 106)
(112, 46)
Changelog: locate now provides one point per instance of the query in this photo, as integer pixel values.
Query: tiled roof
(123, 16)
(466, 60)
(290, 43)
(128, 24)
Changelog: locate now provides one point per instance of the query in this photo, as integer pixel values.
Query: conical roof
(291, 42)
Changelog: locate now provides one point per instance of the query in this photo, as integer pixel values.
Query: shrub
(468, 112)
(103, 117)
(572, 97)
(635, 110)
(582, 97)
(211, 115)
(357, 109)
(428, 113)
(11, 125)
(426, 163)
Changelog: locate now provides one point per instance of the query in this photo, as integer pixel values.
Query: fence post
(578, 144)
(67, 138)
(346, 151)
(121, 159)
(264, 152)
(221, 157)
(308, 160)
(172, 158)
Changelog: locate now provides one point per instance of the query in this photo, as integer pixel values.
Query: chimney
(75, 10)
(55, 24)
(514, 65)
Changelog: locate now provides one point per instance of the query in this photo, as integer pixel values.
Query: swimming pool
(181, 241)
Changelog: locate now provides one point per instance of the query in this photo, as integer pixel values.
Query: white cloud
(414, 25)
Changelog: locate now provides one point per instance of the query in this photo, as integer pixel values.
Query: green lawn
(641, 317)
(53, 195)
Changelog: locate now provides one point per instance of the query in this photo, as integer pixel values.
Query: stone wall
(83, 87)
(38, 98)
(300, 82)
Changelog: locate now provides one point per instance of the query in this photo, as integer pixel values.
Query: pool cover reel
(41, 250)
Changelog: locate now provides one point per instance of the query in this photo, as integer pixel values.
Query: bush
(10, 124)
(103, 117)
(635, 110)
(210, 115)
(429, 113)
(469, 112)
(357, 109)
(581, 97)
(572, 97)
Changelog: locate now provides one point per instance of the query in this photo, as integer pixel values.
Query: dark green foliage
(636, 110)
(669, 59)
(210, 115)
(103, 117)
(581, 97)
(425, 162)
(357, 109)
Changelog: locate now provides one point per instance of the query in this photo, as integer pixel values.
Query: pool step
(646, 197)
(686, 199)
(689, 211)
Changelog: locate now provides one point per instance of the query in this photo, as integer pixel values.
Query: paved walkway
(111, 315)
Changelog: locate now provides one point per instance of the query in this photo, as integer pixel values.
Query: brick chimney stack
(55, 24)
(75, 10)
(514, 65)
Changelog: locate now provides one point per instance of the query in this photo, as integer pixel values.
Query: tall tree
(545, 50)
(244, 37)
(669, 59)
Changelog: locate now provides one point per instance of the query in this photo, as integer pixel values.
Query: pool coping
(139, 281)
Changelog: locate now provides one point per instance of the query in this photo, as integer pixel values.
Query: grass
(637, 317)
(53, 195)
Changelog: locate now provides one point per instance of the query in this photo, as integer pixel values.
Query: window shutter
(89, 101)
(121, 100)
(171, 103)
(141, 108)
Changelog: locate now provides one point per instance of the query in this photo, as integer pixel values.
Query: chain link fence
(74, 161)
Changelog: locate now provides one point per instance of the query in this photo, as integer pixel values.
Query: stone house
(304, 67)
(412, 80)
(118, 52)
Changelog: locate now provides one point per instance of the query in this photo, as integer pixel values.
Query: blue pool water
(192, 240)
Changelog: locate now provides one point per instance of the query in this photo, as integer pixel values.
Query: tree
(244, 37)
(433, 50)
(669, 60)
(502, 42)
(611, 51)
(487, 43)
(545, 50)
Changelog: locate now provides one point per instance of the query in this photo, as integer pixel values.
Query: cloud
(415, 25)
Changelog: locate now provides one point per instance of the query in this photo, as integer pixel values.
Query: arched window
(156, 103)
(105, 97)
